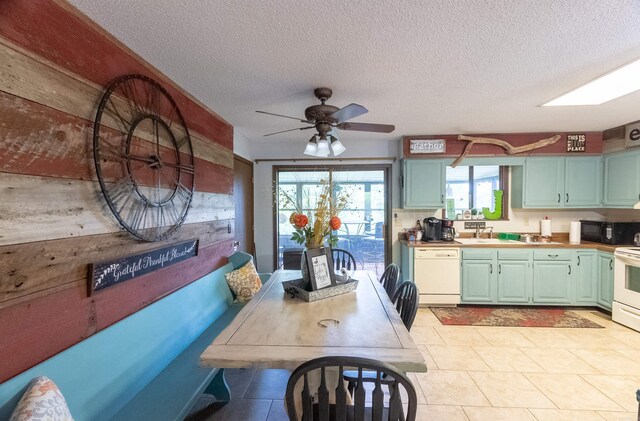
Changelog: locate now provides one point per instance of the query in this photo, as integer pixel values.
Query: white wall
(241, 145)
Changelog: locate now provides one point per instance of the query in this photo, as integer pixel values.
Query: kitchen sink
(493, 241)
(497, 242)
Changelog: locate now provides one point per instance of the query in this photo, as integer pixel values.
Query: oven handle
(625, 258)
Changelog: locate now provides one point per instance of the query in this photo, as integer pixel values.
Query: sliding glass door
(364, 220)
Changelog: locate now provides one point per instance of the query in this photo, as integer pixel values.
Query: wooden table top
(276, 331)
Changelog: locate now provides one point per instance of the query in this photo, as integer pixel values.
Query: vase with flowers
(317, 228)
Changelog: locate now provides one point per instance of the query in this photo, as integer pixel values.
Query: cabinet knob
(569, 269)
(499, 268)
(558, 197)
(567, 197)
(578, 260)
(490, 267)
(610, 264)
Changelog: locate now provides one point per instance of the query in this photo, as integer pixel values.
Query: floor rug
(508, 316)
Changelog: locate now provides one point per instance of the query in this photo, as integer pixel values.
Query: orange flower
(335, 223)
(300, 220)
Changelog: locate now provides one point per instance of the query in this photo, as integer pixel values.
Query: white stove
(626, 287)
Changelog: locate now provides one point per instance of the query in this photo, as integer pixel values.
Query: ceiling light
(312, 147)
(323, 147)
(336, 146)
(612, 85)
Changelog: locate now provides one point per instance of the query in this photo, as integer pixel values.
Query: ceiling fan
(324, 118)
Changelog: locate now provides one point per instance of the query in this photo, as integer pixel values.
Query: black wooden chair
(389, 279)
(343, 259)
(405, 300)
(322, 410)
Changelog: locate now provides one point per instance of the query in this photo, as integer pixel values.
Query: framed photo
(320, 264)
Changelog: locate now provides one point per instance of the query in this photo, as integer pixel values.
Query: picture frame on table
(320, 264)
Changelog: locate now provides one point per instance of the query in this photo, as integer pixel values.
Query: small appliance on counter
(432, 229)
(448, 232)
(609, 232)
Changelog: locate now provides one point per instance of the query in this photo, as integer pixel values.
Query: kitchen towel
(574, 232)
(545, 227)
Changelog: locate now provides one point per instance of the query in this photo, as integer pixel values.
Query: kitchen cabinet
(552, 276)
(558, 182)
(479, 281)
(622, 179)
(552, 282)
(605, 286)
(513, 281)
(423, 182)
(586, 264)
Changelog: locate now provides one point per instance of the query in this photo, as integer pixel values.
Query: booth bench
(147, 365)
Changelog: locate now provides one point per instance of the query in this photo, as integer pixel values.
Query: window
(363, 219)
(472, 187)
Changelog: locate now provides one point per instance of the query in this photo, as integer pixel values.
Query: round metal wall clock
(143, 157)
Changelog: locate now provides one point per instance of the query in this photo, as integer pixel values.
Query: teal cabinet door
(478, 281)
(552, 282)
(586, 264)
(605, 286)
(423, 185)
(583, 182)
(513, 281)
(544, 182)
(622, 179)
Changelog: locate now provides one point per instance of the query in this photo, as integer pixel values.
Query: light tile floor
(490, 373)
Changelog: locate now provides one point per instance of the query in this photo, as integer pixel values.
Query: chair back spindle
(323, 410)
(343, 259)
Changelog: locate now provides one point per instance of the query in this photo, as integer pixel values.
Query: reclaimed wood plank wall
(54, 66)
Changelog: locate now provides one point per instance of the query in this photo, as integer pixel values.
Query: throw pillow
(244, 282)
(42, 401)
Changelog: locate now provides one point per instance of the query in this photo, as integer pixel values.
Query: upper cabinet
(423, 183)
(622, 179)
(558, 182)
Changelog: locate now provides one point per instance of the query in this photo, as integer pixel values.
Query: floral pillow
(42, 401)
(244, 282)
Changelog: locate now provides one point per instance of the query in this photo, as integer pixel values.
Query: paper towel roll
(574, 232)
(545, 227)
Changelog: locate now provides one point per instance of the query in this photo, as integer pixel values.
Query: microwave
(609, 232)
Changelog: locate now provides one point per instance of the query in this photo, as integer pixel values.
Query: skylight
(612, 85)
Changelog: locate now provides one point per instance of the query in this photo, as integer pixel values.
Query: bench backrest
(100, 374)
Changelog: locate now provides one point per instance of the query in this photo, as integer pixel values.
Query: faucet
(479, 231)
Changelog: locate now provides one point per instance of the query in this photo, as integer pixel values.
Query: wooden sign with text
(107, 274)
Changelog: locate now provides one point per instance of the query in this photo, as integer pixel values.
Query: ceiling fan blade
(290, 130)
(285, 116)
(367, 127)
(347, 113)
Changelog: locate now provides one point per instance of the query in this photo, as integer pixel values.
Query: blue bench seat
(146, 366)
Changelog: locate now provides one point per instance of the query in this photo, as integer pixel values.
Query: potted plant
(474, 213)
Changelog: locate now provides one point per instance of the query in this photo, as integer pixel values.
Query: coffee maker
(432, 229)
(448, 232)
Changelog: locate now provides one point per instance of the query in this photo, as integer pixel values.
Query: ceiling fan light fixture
(336, 146)
(312, 147)
(323, 147)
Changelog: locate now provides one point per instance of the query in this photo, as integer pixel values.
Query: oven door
(626, 281)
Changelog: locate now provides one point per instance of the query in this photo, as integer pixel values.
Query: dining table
(274, 330)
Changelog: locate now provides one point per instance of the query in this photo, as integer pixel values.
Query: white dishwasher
(436, 272)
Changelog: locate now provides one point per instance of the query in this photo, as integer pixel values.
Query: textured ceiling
(429, 67)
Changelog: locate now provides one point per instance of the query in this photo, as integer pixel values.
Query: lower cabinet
(514, 281)
(479, 281)
(605, 287)
(542, 276)
(586, 266)
(552, 282)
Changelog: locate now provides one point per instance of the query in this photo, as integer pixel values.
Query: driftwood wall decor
(509, 149)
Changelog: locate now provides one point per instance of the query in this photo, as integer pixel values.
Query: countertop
(563, 243)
